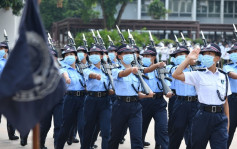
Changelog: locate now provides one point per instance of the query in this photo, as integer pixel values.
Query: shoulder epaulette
(229, 64)
(201, 69)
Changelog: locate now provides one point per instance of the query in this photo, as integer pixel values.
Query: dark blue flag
(30, 84)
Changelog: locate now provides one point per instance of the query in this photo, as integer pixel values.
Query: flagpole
(36, 129)
(36, 136)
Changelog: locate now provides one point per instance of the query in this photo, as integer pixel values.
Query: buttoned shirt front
(207, 84)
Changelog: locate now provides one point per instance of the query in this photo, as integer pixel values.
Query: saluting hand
(193, 55)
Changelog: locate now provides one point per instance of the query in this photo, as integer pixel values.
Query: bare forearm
(151, 68)
(233, 75)
(93, 75)
(178, 73)
(125, 72)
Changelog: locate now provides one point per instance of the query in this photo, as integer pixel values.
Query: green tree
(157, 10)
(16, 5)
(71, 8)
(109, 9)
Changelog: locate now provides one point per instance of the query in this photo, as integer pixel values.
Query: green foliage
(71, 8)
(16, 5)
(140, 38)
(198, 40)
(167, 41)
(157, 10)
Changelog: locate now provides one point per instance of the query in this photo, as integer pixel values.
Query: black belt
(128, 98)
(76, 93)
(234, 94)
(158, 95)
(188, 98)
(212, 108)
(98, 94)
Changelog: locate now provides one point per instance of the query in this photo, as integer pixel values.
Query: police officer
(184, 107)
(73, 99)
(4, 51)
(56, 112)
(97, 106)
(211, 122)
(112, 53)
(127, 109)
(154, 107)
(231, 70)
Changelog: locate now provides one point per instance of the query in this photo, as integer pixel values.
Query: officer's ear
(217, 58)
(120, 56)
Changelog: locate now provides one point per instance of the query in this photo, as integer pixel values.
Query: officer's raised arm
(178, 73)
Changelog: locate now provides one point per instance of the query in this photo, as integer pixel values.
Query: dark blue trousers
(181, 118)
(211, 127)
(156, 109)
(72, 114)
(232, 99)
(129, 113)
(45, 123)
(96, 110)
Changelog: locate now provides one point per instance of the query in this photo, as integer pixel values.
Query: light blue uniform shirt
(2, 64)
(233, 82)
(94, 84)
(75, 84)
(183, 89)
(152, 82)
(123, 85)
(168, 68)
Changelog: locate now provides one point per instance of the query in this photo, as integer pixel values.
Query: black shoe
(69, 141)
(146, 144)
(43, 147)
(23, 142)
(75, 140)
(14, 137)
(122, 141)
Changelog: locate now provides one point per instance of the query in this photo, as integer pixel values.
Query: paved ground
(7, 144)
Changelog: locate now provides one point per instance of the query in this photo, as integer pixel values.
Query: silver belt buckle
(213, 109)
(128, 99)
(189, 98)
(78, 93)
(99, 94)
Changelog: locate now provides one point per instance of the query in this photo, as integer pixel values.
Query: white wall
(11, 23)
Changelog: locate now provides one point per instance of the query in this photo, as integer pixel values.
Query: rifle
(106, 68)
(184, 40)
(111, 43)
(94, 37)
(145, 87)
(123, 41)
(177, 41)
(5, 36)
(203, 39)
(235, 30)
(161, 72)
(85, 42)
(79, 66)
(50, 41)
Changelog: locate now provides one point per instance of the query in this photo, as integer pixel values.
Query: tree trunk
(122, 8)
(104, 14)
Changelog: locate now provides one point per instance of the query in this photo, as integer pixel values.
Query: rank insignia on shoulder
(201, 69)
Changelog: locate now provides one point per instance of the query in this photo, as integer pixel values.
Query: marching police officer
(73, 99)
(127, 110)
(154, 107)
(211, 122)
(4, 50)
(56, 112)
(184, 107)
(231, 70)
(97, 105)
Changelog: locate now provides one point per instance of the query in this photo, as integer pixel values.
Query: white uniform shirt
(206, 84)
